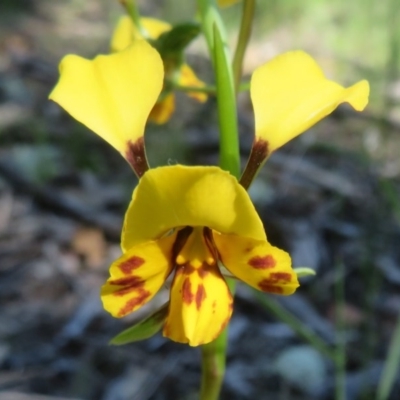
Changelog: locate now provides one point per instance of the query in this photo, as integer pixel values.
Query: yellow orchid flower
(126, 32)
(186, 221)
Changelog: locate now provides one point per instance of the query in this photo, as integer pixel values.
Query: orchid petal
(290, 94)
(257, 263)
(113, 94)
(137, 276)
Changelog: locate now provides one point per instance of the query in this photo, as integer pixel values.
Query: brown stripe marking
(201, 295)
(129, 284)
(187, 294)
(135, 302)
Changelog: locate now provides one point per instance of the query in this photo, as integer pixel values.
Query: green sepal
(304, 271)
(143, 329)
(171, 44)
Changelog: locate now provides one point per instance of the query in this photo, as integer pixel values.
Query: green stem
(213, 361)
(214, 353)
(209, 89)
(132, 10)
(227, 112)
(340, 353)
(214, 32)
(243, 39)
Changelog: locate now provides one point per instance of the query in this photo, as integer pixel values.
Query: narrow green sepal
(304, 271)
(143, 329)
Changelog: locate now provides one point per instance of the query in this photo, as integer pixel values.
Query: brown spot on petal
(186, 269)
(131, 304)
(285, 277)
(131, 264)
(200, 295)
(136, 156)
(269, 288)
(204, 270)
(265, 262)
(187, 294)
(271, 284)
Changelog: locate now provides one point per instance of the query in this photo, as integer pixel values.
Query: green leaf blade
(143, 329)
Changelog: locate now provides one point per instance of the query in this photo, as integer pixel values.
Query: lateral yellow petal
(162, 111)
(187, 77)
(257, 263)
(113, 94)
(290, 94)
(126, 32)
(175, 196)
(137, 276)
(201, 303)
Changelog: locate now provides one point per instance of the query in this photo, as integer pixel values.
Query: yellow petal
(257, 263)
(137, 276)
(162, 111)
(187, 77)
(126, 32)
(290, 94)
(201, 303)
(155, 27)
(174, 196)
(112, 95)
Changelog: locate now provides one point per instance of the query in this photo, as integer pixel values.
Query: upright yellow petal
(290, 94)
(163, 110)
(126, 32)
(155, 27)
(174, 196)
(201, 303)
(113, 94)
(187, 77)
(257, 263)
(137, 276)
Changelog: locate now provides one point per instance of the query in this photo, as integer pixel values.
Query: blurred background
(330, 197)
